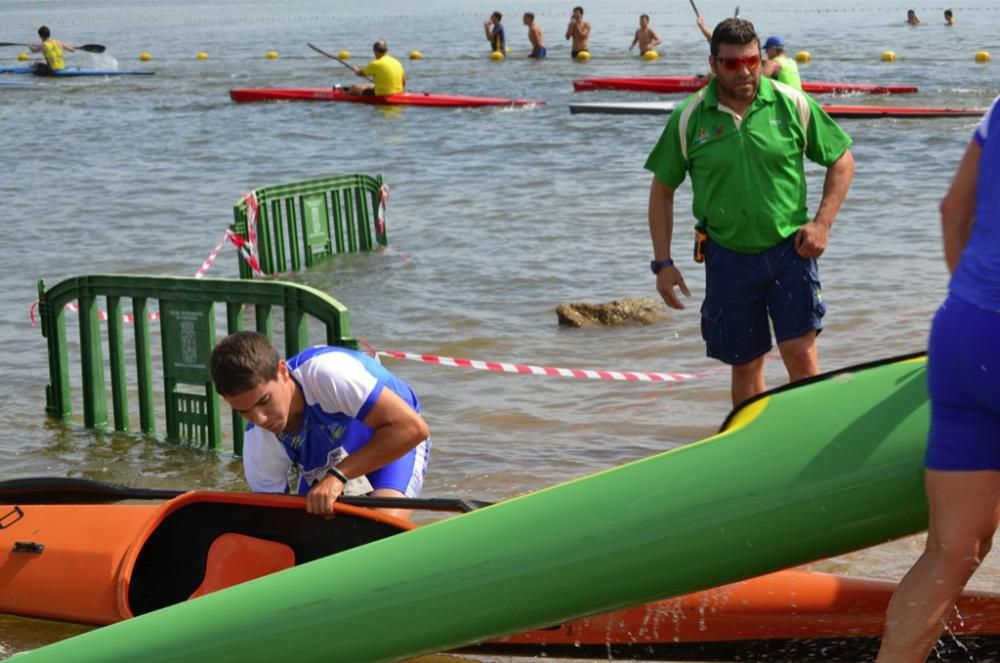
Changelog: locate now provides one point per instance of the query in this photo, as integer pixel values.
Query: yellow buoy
(802, 57)
(888, 56)
(23, 56)
(650, 55)
(201, 56)
(583, 56)
(145, 56)
(496, 56)
(344, 55)
(982, 57)
(271, 55)
(416, 55)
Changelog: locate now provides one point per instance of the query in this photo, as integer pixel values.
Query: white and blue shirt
(340, 387)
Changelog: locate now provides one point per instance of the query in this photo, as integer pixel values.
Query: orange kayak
(103, 563)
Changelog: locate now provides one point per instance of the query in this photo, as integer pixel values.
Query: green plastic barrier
(299, 224)
(187, 325)
(824, 467)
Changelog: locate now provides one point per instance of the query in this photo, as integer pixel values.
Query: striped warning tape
(528, 369)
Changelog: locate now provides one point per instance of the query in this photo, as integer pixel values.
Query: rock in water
(642, 310)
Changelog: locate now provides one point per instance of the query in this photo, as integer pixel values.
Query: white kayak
(625, 108)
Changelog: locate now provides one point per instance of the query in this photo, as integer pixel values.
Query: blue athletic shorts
(540, 54)
(744, 290)
(963, 379)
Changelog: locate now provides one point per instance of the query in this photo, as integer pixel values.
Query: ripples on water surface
(496, 216)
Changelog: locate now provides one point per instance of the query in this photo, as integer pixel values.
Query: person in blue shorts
(347, 424)
(963, 374)
(535, 36)
(744, 140)
(495, 34)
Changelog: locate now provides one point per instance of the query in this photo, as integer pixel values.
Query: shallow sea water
(496, 216)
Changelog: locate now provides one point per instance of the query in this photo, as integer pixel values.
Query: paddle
(334, 57)
(695, 8)
(737, 14)
(90, 48)
(68, 490)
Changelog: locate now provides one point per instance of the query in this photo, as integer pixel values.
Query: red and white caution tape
(527, 369)
(380, 215)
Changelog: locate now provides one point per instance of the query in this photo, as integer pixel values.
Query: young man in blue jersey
(335, 414)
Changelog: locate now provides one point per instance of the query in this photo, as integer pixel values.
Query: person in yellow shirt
(385, 71)
(52, 50)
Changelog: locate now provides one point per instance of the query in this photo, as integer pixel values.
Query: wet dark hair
(243, 360)
(578, 9)
(645, 16)
(733, 31)
(947, 13)
(530, 15)
(43, 32)
(380, 46)
(498, 16)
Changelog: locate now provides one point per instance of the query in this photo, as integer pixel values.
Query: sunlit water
(496, 216)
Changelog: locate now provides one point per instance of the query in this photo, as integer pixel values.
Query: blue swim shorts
(744, 290)
(963, 379)
(540, 54)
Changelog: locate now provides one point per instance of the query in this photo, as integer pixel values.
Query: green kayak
(800, 473)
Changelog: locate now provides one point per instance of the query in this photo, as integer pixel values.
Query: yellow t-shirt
(53, 53)
(387, 73)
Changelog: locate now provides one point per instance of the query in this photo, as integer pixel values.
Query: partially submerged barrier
(295, 225)
(187, 313)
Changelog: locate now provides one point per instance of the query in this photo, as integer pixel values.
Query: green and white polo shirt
(747, 175)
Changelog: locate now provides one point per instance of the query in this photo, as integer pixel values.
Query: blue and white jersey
(977, 277)
(340, 387)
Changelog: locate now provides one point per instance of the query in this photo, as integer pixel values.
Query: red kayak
(680, 84)
(901, 111)
(247, 95)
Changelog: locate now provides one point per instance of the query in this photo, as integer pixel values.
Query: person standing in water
(911, 17)
(949, 18)
(779, 66)
(579, 31)
(962, 463)
(535, 36)
(494, 33)
(645, 36)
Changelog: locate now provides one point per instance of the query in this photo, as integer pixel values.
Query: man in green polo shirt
(743, 139)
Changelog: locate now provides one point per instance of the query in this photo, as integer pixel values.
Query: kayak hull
(804, 472)
(248, 95)
(105, 563)
(834, 110)
(682, 84)
(72, 71)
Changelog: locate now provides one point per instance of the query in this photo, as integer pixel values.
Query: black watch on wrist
(657, 265)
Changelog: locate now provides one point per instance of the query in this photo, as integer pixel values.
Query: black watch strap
(657, 265)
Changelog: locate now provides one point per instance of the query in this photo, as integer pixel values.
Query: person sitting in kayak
(495, 34)
(385, 71)
(779, 66)
(347, 424)
(52, 50)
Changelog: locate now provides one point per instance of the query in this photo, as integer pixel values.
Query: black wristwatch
(336, 473)
(657, 265)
